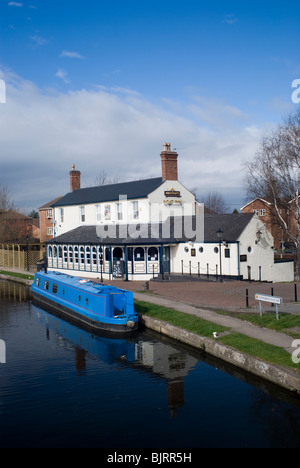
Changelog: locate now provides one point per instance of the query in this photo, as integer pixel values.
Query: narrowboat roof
(81, 284)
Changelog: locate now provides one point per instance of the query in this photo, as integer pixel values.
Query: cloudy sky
(103, 84)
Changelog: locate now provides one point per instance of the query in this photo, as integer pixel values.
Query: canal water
(63, 387)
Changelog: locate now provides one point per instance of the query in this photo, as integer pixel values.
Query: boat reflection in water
(142, 352)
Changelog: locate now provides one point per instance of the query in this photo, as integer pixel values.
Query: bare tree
(215, 203)
(274, 174)
(5, 199)
(102, 178)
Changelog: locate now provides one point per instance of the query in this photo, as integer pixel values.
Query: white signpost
(272, 299)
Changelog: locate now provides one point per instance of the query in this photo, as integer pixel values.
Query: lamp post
(27, 252)
(101, 260)
(220, 237)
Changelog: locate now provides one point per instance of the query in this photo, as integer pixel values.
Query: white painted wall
(155, 207)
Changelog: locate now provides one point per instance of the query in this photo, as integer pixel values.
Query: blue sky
(102, 84)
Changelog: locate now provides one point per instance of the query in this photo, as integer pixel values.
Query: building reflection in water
(141, 352)
(168, 363)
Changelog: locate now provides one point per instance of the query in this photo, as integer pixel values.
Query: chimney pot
(169, 163)
(75, 177)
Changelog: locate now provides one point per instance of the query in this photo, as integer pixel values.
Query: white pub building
(142, 229)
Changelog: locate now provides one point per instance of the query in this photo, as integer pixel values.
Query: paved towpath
(238, 325)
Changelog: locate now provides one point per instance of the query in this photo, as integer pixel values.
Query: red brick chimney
(74, 179)
(169, 163)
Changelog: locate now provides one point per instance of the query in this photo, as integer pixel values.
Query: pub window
(152, 254)
(76, 255)
(94, 255)
(88, 255)
(61, 211)
(135, 210)
(82, 214)
(49, 214)
(65, 254)
(107, 214)
(49, 231)
(81, 255)
(50, 251)
(139, 254)
(216, 250)
(119, 212)
(71, 254)
(98, 213)
(227, 253)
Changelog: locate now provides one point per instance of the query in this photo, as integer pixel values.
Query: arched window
(81, 255)
(139, 254)
(118, 253)
(76, 255)
(94, 255)
(153, 254)
(50, 251)
(55, 251)
(60, 252)
(88, 255)
(65, 254)
(70, 254)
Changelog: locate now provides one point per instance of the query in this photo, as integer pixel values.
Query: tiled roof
(112, 192)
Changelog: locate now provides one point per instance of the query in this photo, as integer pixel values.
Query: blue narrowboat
(99, 306)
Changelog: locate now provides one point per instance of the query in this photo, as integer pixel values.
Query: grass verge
(16, 275)
(256, 348)
(268, 320)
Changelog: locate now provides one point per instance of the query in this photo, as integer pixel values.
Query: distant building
(46, 221)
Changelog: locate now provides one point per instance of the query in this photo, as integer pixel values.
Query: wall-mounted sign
(172, 193)
(243, 258)
(172, 202)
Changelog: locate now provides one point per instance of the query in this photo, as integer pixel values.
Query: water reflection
(14, 292)
(141, 352)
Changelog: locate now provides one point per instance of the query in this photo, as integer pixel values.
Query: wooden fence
(20, 256)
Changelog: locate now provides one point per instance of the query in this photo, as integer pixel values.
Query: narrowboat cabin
(99, 306)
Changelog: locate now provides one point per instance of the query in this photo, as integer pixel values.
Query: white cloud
(230, 19)
(118, 131)
(70, 54)
(63, 75)
(15, 4)
(38, 41)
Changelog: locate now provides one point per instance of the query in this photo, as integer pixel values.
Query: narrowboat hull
(101, 307)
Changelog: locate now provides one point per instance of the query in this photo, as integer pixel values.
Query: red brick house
(265, 210)
(46, 221)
